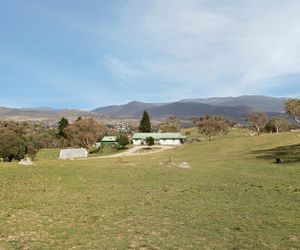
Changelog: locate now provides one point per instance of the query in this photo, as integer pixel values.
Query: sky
(91, 53)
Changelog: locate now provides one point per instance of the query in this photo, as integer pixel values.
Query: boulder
(26, 162)
(184, 165)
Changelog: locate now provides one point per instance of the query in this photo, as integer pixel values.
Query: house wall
(161, 142)
(107, 143)
(136, 142)
(170, 142)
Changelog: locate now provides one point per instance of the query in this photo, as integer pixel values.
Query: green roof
(109, 139)
(158, 136)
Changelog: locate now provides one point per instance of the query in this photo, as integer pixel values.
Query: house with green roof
(159, 138)
(108, 141)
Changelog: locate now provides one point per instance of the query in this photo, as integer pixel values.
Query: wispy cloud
(123, 69)
(86, 54)
(213, 47)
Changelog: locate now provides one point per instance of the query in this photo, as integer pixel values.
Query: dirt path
(134, 152)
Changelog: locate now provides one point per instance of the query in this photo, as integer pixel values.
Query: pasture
(233, 197)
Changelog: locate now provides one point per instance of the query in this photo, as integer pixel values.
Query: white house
(159, 138)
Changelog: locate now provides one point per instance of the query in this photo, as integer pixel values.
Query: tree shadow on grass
(289, 154)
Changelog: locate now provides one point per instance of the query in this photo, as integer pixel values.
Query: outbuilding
(159, 138)
(108, 141)
(73, 153)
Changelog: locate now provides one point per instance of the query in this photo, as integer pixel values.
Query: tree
(62, 125)
(31, 151)
(150, 141)
(84, 132)
(170, 125)
(122, 140)
(292, 107)
(195, 121)
(12, 146)
(145, 124)
(257, 120)
(211, 126)
(278, 124)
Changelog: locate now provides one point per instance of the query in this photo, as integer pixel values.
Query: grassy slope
(53, 153)
(230, 199)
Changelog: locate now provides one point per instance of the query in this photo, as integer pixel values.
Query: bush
(94, 150)
(31, 151)
(211, 126)
(12, 146)
(150, 141)
(122, 140)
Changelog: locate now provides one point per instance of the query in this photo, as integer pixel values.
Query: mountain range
(235, 108)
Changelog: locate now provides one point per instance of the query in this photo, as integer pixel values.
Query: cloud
(122, 69)
(210, 47)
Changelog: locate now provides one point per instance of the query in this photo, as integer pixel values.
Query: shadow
(289, 154)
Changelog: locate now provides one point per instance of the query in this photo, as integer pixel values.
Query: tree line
(18, 139)
(259, 121)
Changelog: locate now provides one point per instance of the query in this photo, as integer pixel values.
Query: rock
(184, 165)
(26, 162)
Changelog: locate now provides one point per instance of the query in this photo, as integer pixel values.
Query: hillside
(41, 114)
(131, 109)
(233, 197)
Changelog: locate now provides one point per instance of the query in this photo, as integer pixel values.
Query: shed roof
(109, 139)
(158, 136)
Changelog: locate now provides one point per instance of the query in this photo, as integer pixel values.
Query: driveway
(134, 152)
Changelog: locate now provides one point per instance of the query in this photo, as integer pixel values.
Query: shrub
(94, 150)
(12, 146)
(122, 140)
(150, 141)
(211, 126)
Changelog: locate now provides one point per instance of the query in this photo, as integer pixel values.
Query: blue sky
(90, 53)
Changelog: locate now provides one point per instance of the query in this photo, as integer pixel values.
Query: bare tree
(84, 132)
(292, 107)
(211, 126)
(279, 124)
(258, 120)
(172, 124)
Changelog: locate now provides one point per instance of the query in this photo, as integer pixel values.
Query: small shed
(73, 153)
(108, 141)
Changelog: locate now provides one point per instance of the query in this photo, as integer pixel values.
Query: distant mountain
(256, 102)
(235, 108)
(180, 109)
(46, 115)
(41, 109)
(131, 109)
(189, 109)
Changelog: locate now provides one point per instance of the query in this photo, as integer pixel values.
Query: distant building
(159, 138)
(108, 141)
(73, 153)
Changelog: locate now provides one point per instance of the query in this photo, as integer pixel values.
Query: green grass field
(233, 197)
(53, 154)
